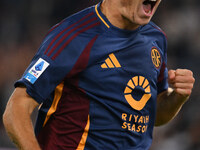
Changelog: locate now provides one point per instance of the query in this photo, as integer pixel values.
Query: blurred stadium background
(23, 24)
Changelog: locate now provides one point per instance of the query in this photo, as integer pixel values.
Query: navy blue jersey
(97, 84)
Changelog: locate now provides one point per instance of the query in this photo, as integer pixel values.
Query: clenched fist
(182, 81)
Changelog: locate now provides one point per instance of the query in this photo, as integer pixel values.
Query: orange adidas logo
(111, 62)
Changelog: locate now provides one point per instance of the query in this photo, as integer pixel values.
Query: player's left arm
(170, 102)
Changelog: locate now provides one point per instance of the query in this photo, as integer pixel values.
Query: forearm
(18, 124)
(169, 104)
(20, 130)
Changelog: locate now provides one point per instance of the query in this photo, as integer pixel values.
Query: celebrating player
(100, 81)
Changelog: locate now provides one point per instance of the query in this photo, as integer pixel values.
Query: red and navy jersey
(97, 84)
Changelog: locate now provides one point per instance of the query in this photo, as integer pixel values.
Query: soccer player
(100, 82)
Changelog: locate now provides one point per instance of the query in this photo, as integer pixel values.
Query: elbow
(159, 123)
(162, 120)
(7, 119)
(9, 116)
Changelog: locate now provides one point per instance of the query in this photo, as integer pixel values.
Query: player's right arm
(17, 120)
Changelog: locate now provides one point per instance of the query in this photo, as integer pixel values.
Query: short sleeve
(162, 83)
(44, 73)
(41, 77)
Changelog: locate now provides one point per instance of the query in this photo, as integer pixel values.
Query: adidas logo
(111, 62)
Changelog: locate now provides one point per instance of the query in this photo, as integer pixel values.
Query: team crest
(156, 57)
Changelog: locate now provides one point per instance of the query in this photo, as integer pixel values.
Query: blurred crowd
(23, 24)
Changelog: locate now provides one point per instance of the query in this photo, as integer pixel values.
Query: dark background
(24, 23)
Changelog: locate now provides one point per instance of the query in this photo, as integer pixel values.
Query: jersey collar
(109, 26)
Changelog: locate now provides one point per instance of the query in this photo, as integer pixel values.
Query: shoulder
(153, 29)
(79, 19)
(156, 33)
(157, 28)
(81, 15)
(74, 31)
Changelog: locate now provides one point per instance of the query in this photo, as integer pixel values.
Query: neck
(115, 17)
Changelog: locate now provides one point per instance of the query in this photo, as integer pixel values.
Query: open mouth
(148, 6)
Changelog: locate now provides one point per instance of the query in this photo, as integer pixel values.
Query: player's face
(138, 12)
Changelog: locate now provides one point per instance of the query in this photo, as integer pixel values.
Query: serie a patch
(36, 70)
